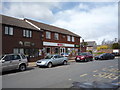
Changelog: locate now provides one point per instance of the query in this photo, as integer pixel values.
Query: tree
(102, 47)
(115, 46)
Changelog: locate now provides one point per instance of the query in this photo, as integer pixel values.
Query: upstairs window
(73, 39)
(27, 33)
(8, 30)
(68, 38)
(48, 35)
(56, 36)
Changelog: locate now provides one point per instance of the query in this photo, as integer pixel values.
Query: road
(94, 74)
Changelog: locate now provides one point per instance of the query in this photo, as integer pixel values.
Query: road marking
(107, 75)
(83, 75)
(70, 79)
(95, 71)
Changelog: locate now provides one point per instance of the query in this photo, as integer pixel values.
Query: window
(8, 30)
(18, 50)
(73, 39)
(27, 33)
(68, 38)
(7, 58)
(48, 35)
(15, 57)
(56, 36)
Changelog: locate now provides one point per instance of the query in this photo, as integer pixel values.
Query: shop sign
(59, 44)
(27, 43)
(77, 45)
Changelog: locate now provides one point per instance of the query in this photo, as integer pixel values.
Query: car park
(13, 61)
(84, 56)
(51, 60)
(105, 56)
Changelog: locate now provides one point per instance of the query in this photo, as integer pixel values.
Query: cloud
(96, 24)
(38, 11)
(92, 21)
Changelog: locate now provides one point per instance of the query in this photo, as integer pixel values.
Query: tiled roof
(91, 43)
(52, 28)
(16, 22)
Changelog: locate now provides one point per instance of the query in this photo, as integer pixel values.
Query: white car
(51, 60)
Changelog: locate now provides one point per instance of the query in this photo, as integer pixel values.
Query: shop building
(57, 40)
(20, 37)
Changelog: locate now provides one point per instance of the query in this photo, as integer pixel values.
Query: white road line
(83, 75)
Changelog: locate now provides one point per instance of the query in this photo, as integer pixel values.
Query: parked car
(65, 54)
(105, 56)
(85, 56)
(51, 60)
(13, 61)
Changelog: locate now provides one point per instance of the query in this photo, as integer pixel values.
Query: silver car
(51, 60)
(13, 61)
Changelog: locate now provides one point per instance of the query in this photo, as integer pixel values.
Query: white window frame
(73, 39)
(56, 36)
(68, 38)
(8, 30)
(27, 33)
(48, 35)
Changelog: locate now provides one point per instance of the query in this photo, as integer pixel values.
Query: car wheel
(49, 65)
(22, 67)
(85, 60)
(101, 58)
(65, 63)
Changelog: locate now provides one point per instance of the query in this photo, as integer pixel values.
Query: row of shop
(35, 39)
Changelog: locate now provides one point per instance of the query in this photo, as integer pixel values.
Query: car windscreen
(48, 57)
(83, 54)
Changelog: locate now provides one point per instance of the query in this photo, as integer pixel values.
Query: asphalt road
(94, 74)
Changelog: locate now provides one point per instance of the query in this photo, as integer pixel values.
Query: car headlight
(82, 57)
(43, 62)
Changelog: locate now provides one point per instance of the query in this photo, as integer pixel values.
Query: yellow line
(83, 75)
(95, 71)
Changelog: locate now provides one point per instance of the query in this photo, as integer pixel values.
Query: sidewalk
(33, 64)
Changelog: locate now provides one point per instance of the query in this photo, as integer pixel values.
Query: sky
(93, 21)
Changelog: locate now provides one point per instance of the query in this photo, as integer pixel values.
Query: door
(6, 65)
(55, 60)
(62, 50)
(16, 59)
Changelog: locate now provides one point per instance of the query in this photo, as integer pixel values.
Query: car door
(60, 59)
(16, 59)
(55, 60)
(6, 65)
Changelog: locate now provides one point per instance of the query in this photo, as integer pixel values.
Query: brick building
(57, 40)
(20, 37)
(36, 39)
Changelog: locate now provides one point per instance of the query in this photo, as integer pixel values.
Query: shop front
(59, 48)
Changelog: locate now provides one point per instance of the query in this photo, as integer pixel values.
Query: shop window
(48, 35)
(32, 52)
(27, 33)
(56, 36)
(18, 50)
(8, 30)
(48, 50)
(56, 50)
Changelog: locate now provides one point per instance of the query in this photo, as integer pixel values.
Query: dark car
(85, 56)
(105, 56)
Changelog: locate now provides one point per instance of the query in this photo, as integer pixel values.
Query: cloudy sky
(91, 20)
